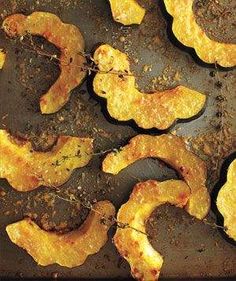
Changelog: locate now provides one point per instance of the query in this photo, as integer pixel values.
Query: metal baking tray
(191, 248)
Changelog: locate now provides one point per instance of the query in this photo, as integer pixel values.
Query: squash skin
(2, 58)
(127, 12)
(145, 262)
(26, 169)
(226, 201)
(173, 151)
(125, 102)
(70, 249)
(189, 33)
(68, 39)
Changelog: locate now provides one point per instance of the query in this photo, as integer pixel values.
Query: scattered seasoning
(80, 116)
(2, 193)
(217, 19)
(55, 275)
(169, 78)
(122, 39)
(147, 68)
(219, 142)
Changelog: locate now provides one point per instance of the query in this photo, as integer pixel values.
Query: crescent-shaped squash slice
(26, 169)
(126, 102)
(67, 38)
(189, 33)
(127, 12)
(70, 249)
(2, 58)
(173, 151)
(226, 201)
(133, 245)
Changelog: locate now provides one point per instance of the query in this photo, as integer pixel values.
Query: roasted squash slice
(70, 249)
(226, 201)
(2, 58)
(26, 169)
(67, 38)
(116, 84)
(189, 33)
(173, 151)
(133, 245)
(127, 12)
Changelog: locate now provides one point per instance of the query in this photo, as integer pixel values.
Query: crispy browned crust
(226, 201)
(2, 58)
(127, 12)
(146, 262)
(67, 38)
(70, 249)
(172, 150)
(189, 33)
(26, 169)
(125, 102)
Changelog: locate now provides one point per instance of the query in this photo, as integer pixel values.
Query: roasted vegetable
(67, 38)
(189, 33)
(116, 84)
(127, 11)
(26, 169)
(70, 249)
(226, 201)
(131, 242)
(172, 150)
(2, 58)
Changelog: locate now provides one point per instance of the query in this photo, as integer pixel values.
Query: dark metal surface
(192, 249)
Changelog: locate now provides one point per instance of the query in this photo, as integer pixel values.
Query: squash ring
(26, 169)
(173, 151)
(70, 249)
(127, 12)
(145, 262)
(226, 201)
(125, 102)
(189, 33)
(68, 39)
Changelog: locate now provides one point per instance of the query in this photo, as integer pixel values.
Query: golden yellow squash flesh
(67, 38)
(173, 151)
(226, 201)
(70, 249)
(146, 262)
(160, 110)
(26, 169)
(2, 58)
(127, 12)
(189, 33)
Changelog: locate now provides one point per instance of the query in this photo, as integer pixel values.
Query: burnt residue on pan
(191, 248)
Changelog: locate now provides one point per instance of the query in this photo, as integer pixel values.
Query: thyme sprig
(106, 220)
(91, 67)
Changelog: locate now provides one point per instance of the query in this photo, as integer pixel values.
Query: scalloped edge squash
(127, 12)
(70, 249)
(172, 150)
(68, 39)
(144, 260)
(189, 33)
(125, 102)
(226, 201)
(26, 169)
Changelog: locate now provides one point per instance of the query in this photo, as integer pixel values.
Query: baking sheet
(192, 249)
